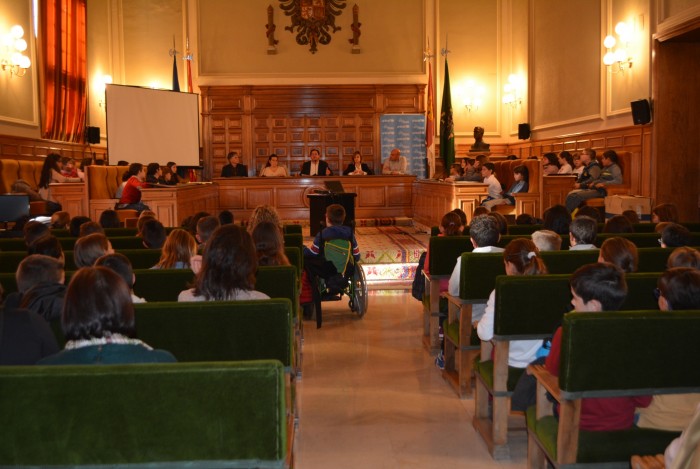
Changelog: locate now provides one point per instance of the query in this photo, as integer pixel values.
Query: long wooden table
(377, 196)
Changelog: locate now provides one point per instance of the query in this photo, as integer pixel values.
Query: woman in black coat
(357, 167)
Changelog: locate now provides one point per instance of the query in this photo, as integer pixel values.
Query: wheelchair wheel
(358, 298)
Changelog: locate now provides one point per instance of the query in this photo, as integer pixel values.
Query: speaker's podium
(319, 201)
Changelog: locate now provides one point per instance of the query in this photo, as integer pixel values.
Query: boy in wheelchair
(318, 262)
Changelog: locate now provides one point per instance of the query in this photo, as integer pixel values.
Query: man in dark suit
(234, 166)
(316, 166)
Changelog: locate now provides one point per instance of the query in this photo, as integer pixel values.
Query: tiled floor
(371, 397)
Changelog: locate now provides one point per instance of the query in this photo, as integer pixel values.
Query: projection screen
(152, 126)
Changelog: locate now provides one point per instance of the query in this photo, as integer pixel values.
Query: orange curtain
(63, 49)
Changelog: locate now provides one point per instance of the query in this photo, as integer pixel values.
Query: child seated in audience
(205, 228)
(525, 219)
(47, 246)
(546, 240)
(25, 337)
(264, 213)
(664, 212)
(484, 236)
(620, 252)
(121, 264)
(462, 216)
(269, 244)
(598, 287)
(228, 269)
(632, 216)
(520, 184)
(480, 210)
(582, 233)
(178, 249)
(40, 286)
(494, 190)
(557, 218)
(674, 236)
(521, 257)
(226, 217)
(131, 194)
(59, 220)
(678, 289)
(501, 221)
(578, 164)
(33, 231)
(684, 257)
(153, 234)
(588, 211)
(315, 264)
(90, 227)
(110, 219)
(75, 224)
(618, 224)
(98, 323)
(90, 248)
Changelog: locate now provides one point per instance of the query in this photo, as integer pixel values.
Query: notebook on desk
(334, 187)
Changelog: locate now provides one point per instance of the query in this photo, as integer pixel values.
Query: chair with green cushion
(643, 240)
(523, 229)
(295, 258)
(12, 244)
(566, 262)
(9, 260)
(290, 229)
(194, 415)
(294, 240)
(520, 314)
(208, 331)
(126, 242)
(611, 354)
(114, 232)
(444, 251)
(477, 279)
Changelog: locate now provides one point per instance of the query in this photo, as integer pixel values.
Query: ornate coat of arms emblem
(312, 20)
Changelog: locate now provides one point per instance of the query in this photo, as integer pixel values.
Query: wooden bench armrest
(546, 380)
(648, 462)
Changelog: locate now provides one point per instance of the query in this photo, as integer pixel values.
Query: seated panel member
(357, 167)
(395, 164)
(234, 166)
(272, 168)
(315, 166)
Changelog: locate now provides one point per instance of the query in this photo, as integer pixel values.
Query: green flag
(447, 127)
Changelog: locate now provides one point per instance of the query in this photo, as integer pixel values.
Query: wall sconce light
(619, 59)
(512, 91)
(473, 96)
(102, 82)
(12, 59)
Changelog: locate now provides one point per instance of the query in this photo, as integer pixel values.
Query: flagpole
(430, 113)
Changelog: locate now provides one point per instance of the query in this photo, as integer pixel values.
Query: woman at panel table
(234, 166)
(272, 168)
(357, 167)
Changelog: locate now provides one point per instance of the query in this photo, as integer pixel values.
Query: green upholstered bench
(291, 229)
(444, 251)
(219, 330)
(294, 240)
(643, 240)
(223, 331)
(611, 354)
(193, 415)
(520, 314)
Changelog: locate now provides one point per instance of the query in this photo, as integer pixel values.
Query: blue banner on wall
(407, 133)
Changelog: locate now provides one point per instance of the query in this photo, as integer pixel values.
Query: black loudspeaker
(641, 112)
(523, 131)
(92, 134)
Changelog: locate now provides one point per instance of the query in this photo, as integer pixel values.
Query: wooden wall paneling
(675, 164)
(23, 148)
(290, 120)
